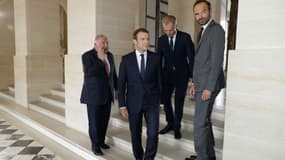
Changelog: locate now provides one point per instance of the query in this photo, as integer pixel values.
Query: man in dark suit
(98, 90)
(139, 94)
(208, 79)
(177, 51)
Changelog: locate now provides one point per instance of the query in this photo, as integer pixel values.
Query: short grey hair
(98, 36)
(169, 19)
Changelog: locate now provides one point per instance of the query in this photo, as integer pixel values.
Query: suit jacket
(208, 67)
(133, 90)
(97, 88)
(177, 65)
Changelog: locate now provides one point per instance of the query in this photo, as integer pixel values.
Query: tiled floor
(15, 145)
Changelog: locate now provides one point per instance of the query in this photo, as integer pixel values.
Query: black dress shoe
(97, 151)
(212, 158)
(105, 146)
(194, 157)
(177, 135)
(191, 157)
(166, 129)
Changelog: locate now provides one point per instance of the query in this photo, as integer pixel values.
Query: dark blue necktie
(142, 66)
(171, 43)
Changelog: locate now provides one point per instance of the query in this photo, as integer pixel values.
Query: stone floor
(15, 145)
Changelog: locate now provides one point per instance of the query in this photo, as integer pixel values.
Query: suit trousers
(174, 118)
(204, 141)
(151, 115)
(98, 117)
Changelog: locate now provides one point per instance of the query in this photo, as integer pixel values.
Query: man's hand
(206, 95)
(124, 112)
(192, 90)
(101, 53)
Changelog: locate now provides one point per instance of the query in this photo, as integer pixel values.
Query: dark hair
(135, 33)
(169, 19)
(202, 1)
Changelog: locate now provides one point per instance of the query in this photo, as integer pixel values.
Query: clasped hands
(206, 94)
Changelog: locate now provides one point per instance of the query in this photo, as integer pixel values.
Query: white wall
(255, 112)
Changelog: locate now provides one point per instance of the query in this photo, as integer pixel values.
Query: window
(155, 11)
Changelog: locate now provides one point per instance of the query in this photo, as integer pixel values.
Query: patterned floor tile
(12, 127)
(16, 136)
(44, 157)
(18, 132)
(58, 158)
(6, 143)
(2, 148)
(6, 157)
(4, 136)
(22, 143)
(31, 150)
(8, 131)
(5, 123)
(15, 145)
(23, 157)
(45, 151)
(4, 126)
(11, 151)
(26, 138)
(35, 144)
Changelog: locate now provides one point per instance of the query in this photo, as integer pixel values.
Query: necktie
(107, 68)
(171, 43)
(200, 35)
(142, 66)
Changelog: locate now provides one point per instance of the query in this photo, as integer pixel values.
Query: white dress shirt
(173, 39)
(138, 55)
(107, 61)
(205, 26)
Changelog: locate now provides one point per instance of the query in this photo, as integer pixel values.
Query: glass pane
(163, 7)
(151, 8)
(161, 32)
(150, 26)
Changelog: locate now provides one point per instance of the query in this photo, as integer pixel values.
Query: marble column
(255, 112)
(81, 23)
(37, 64)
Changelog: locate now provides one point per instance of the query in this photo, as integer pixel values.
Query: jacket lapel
(176, 40)
(94, 56)
(148, 63)
(135, 64)
(205, 34)
(111, 64)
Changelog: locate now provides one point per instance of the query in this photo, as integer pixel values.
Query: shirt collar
(174, 36)
(207, 24)
(139, 53)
